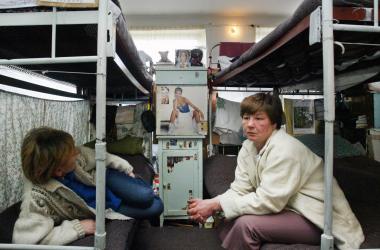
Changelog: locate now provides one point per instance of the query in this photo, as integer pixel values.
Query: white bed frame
(103, 18)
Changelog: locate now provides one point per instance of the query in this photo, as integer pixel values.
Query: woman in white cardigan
(278, 194)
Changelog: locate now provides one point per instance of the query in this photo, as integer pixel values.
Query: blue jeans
(138, 199)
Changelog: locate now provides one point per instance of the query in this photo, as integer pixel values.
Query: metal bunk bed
(311, 32)
(106, 48)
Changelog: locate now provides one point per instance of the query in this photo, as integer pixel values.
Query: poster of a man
(186, 114)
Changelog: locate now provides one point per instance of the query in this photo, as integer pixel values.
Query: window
(151, 41)
(261, 32)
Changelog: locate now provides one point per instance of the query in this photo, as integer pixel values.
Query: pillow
(128, 145)
(342, 147)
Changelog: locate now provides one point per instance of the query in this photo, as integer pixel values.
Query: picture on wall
(181, 110)
(303, 117)
(182, 58)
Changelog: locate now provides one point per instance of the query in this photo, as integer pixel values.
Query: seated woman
(278, 193)
(182, 119)
(59, 198)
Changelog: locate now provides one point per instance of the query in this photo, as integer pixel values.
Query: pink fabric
(233, 49)
(251, 231)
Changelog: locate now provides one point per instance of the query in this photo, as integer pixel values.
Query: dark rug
(174, 238)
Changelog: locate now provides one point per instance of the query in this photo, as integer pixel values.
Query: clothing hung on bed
(233, 49)
(228, 122)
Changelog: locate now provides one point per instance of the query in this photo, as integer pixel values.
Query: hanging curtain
(69, 116)
(153, 40)
(19, 114)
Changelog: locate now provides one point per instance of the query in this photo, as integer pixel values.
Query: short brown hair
(265, 102)
(42, 151)
(178, 89)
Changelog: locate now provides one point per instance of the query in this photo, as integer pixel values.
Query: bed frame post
(327, 240)
(100, 147)
(376, 13)
(210, 146)
(54, 33)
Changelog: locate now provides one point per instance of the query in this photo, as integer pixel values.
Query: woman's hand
(89, 226)
(131, 174)
(199, 210)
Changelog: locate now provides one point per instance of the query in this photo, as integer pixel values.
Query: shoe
(171, 129)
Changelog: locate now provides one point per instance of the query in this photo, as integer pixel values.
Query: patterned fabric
(19, 114)
(136, 129)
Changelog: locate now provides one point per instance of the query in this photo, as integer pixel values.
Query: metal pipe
(42, 247)
(45, 18)
(210, 146)
(357, 28)
(375, 13)
(129, 75)
(49, 60)
(238, 89)
(327, 240)
(54, 32)
(100, 146)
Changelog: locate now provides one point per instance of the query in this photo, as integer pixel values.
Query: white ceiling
(212, 7)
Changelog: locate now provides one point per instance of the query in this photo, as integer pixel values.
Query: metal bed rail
(328, 27)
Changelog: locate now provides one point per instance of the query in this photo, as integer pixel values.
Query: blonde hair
(265, 102)
(42, 151)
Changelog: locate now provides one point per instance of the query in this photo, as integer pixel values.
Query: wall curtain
(19, 114)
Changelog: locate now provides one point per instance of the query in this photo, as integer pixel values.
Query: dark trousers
(138, 199)
(251, 231)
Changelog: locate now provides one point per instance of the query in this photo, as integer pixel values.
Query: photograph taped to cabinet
(172, 161)
(182, 110)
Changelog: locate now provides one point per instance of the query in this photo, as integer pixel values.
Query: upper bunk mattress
(285, 58)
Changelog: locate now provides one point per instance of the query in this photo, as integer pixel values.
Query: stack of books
(361, 122)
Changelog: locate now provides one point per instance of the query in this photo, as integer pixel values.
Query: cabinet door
(180, 172)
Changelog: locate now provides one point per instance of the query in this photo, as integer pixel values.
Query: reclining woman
(59, 198)
(278, 193)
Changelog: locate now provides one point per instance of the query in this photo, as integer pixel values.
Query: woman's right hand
(199, 210)
(89, 226)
